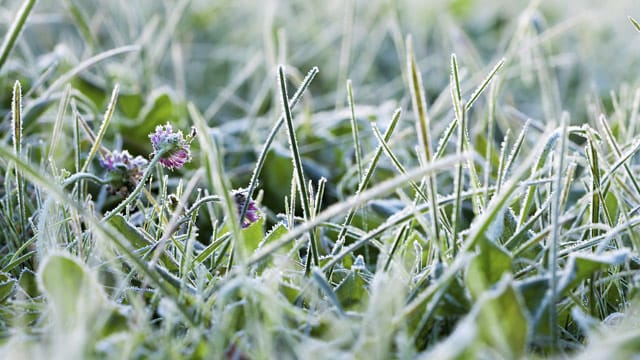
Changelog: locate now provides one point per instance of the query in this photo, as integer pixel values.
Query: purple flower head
(177, 148)
(124, 171)
(253, 213)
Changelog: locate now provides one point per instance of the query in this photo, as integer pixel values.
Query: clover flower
(177, 148)
(124, 171)
(252, 214)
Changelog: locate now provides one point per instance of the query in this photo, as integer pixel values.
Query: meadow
(388, 179)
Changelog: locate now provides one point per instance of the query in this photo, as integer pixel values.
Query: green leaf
(253, 235)
(7, 286)
(582, 266)
(501, 321)
(351, 292)
(28, 283)
(130, 104)
(71, 289)
(496, 325)
(117, 321)
(276, 180)
(487, 267)
(138, 239)
(159, 109)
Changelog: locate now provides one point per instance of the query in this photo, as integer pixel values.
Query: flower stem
(82, 176)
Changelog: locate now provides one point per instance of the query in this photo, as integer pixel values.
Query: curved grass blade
(14, 31)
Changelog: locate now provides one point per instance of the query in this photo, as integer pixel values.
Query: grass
(453, 180)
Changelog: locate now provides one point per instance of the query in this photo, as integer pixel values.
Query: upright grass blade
(635, 23)
(401, 237)
(424, 138)
(608, 135)
(57, 125)
(515, 151)
(272, 135)
(354, 130)
(80, 20)
(14, 31)
(461, 117)
(103, 128)
(555, 235)
(217, 178)
(503, 160)
(16, 111)
(297, 162)
(493, 94)
(366, 179)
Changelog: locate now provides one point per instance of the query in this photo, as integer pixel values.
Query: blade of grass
(14, 31)
(635, 23)
(515, 150)
(16, 120)
(272, 134)
(368, 174)
(57, 126)
(217, 178)
(555, 234)
(103, 127)
(422, 124)
(398, 165)
(608, 135)
(461, 118)
(401, 237)
(353, 201)
(354, 130)
(483, 85)
(491, 120)
(297, 163)
(63, 79)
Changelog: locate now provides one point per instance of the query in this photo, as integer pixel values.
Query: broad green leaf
(351, 292)
(130, 104)
(7, 285)
(73, 293)
(253, 235)
(28, 283)
(502, 323)
(92, 88)
(496, 325)
(276, 177)
(159, 110)
(278, 231)
(612, 204)
(487, 267)
(533, 291)
(138, 239)
(582, 266)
